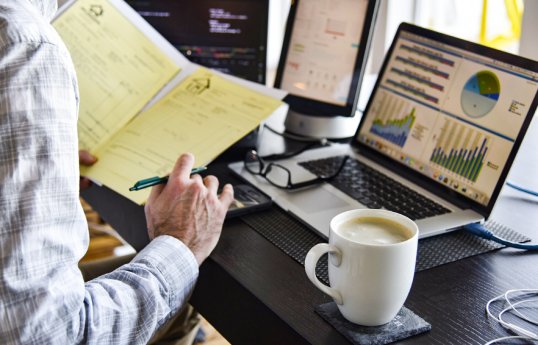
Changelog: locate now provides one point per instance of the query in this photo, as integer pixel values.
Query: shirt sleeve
(137, 298)
(43, 230)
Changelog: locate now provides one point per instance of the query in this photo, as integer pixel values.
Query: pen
(152, 181)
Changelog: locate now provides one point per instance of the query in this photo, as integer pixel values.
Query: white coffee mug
(370, 270)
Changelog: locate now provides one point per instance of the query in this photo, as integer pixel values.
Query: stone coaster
(406, 324)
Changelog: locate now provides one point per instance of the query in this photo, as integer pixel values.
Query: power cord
(294, 136)
(289, 154)
(309, 143)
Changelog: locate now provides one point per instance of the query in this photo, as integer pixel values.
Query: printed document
(142, 103)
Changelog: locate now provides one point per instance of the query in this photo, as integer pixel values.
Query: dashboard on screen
(324, 55)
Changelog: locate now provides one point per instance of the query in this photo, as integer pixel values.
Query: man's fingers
(212, 184)
(227, 195)
(86, 158)
(155, 192)
(197, 179)
(183, 167)
(84, 183)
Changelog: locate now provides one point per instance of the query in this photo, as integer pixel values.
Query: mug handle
(311, 261)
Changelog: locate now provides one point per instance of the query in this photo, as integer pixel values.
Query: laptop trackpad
(315, 200)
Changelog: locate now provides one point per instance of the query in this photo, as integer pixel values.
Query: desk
(253, 293)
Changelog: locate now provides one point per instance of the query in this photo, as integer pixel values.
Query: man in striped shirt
(43, 231)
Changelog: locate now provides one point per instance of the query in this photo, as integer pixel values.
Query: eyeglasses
(280, 176)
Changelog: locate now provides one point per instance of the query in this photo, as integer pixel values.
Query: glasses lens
(277, 175)
(253, 163)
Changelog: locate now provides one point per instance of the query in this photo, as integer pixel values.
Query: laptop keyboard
(374, 189)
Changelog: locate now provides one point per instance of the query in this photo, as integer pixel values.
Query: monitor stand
(330, 127)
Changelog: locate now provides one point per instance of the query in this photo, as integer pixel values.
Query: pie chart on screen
(480, 94)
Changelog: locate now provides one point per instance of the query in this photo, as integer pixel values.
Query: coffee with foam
(374, 230)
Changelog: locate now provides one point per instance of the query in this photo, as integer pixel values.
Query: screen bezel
(422, 180)
(313, 107)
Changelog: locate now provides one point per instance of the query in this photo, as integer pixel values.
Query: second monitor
(229, 36)
(322, 64)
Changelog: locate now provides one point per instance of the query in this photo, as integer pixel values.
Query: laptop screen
(451, 110)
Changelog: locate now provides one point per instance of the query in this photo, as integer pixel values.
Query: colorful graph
(480, 94)
(461, 150)
(394, 130)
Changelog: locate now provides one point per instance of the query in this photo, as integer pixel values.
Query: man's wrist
(172, 258)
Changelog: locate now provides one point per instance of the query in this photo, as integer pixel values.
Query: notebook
(441, 129)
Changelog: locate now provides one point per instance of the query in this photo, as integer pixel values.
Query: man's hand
(188, 208)
(85, 158)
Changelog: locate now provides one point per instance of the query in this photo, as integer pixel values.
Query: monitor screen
(227, 35)
(324, 55)
(451, 110)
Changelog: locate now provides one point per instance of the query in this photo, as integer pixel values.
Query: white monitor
(322, 63)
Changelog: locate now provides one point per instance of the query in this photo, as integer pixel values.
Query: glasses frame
(265, 168)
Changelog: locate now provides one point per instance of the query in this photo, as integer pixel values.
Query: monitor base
(333, 127)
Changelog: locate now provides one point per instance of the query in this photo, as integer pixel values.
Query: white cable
(535, 322)
(512, 307)
(487, 307)
(505, 338)
(522, 332)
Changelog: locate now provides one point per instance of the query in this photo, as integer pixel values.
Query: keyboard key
(375, 190)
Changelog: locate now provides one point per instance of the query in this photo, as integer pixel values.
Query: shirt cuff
(176, 262)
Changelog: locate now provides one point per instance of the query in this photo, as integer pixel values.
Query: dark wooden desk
(253, 293)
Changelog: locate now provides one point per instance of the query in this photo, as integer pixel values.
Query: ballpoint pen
(152, 181)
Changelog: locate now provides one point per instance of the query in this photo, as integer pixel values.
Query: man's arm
(43, 231)
(185, 209)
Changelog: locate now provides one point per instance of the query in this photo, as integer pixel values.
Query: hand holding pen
(188, 208)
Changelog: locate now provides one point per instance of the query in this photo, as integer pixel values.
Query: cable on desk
(481, 231)
(521, 189)
(522, 333)
(289, 154)
(296, 137)
(309, 143)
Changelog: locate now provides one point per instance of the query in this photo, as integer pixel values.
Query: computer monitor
(322, 62)
(226, 35)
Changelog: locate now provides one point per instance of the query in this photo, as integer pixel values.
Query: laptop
(435, 142)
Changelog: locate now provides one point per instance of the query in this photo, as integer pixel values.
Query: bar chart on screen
(461, 149)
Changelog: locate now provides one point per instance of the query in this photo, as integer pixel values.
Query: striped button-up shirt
(43, 231)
